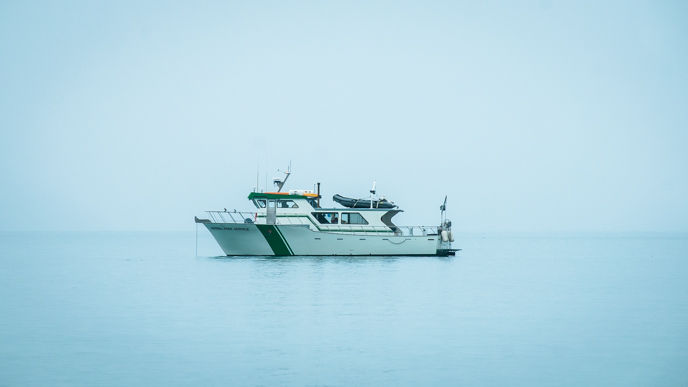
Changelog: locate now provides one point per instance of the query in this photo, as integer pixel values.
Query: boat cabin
(301, 208)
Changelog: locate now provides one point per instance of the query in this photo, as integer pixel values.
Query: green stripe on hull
(291, 252)
(274, 239)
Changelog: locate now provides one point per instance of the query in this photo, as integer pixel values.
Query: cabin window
(326, 217)
(260, 203)
(287, 204)
(353, 218)
(313, 203)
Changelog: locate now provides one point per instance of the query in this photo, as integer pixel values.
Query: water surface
(101, 309)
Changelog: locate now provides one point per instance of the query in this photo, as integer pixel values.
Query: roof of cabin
(279, 195)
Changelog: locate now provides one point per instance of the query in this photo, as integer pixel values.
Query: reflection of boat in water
(293, 223)
(363, 203)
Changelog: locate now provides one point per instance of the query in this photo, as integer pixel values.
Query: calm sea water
(114, 309)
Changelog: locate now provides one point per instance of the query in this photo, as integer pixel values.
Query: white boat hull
(283, 240)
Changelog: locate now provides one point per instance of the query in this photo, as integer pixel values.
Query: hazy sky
(531, 116)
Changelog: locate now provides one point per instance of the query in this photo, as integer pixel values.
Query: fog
(529, 116)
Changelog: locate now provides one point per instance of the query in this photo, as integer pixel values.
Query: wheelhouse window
(260, 203)
(353, 218)
(326, 217)
(287, 204)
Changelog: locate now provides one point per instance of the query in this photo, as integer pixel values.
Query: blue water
(115, 309)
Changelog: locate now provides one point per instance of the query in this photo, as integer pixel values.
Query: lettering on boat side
(230, 228)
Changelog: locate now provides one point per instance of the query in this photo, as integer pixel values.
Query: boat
(363, 203)
(293, 223)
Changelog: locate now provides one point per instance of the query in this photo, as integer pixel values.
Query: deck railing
(233, 217)
(377, 230)
(253, 217)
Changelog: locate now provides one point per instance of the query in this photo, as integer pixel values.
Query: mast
(443, 209)
(280, 183)
(372, 192)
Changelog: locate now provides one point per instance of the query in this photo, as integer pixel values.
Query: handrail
(377, 230)
(232, 217)
(253, 217)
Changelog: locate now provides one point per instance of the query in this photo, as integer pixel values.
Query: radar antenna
(279, 182)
